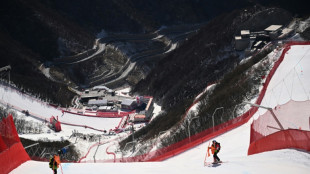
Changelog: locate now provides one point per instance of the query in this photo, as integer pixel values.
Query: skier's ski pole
(61, 168)
(207, 155)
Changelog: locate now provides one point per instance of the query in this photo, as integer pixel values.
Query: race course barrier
(12, 152)
(286, 127)
(291, 138)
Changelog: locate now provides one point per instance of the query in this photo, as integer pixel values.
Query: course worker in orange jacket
(54, 163)
(215, 149)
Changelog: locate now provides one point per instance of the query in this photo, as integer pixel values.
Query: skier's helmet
(213, 141)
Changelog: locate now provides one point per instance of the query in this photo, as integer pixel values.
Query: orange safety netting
(12, 152)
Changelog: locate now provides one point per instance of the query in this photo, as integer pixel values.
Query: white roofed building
(103, 102)
(245, 33)
(273, 28)
(100, 88)
(273, 31)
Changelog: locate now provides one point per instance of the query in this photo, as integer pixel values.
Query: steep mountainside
(41, 29)
(25, 73)
(141, 16)
(205, 57)
(149, 15)
(31, 34)
(35, 31)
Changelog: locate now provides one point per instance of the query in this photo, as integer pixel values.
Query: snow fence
(12, 152)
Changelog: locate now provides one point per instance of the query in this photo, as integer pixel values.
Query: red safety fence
(12, 152)
(101, 114)
(114, 114)
(290, 138)
(291, 115)
(274, 129)
(199, 138)
(84, 157)
(287, 126)
(110, 153)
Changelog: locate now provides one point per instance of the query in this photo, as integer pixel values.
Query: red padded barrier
(12, 152)
(2, 145)
(8, 131)
(291, 138)
(12, 158)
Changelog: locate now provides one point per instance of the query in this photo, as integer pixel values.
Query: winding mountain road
(175, 34)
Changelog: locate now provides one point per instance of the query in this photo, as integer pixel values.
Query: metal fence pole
(213, 115)
(189, 130)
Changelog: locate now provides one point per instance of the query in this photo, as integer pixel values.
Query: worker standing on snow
(54, 163)
(215, 149)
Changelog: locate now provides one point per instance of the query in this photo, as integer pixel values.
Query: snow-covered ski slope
(42, 110)
(234, 143)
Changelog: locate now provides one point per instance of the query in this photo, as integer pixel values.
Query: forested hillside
(36, 31)
(207, 58)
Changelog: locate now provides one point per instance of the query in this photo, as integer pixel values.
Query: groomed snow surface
(234, 143)
(44, 111)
